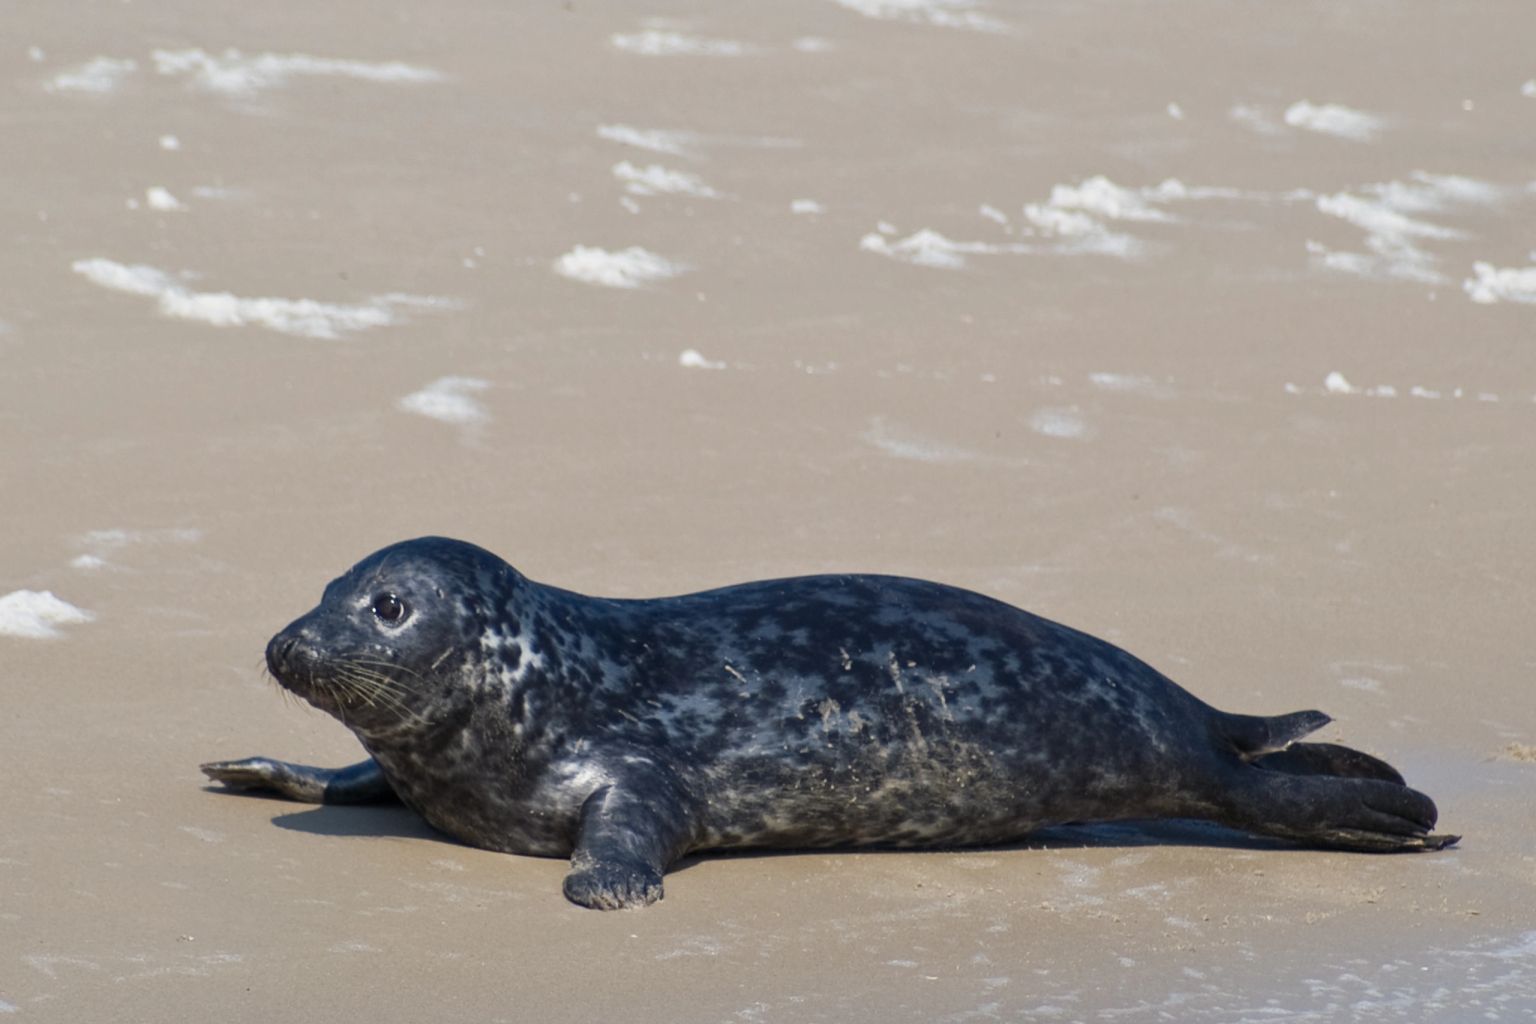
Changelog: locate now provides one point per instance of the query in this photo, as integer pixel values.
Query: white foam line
(1079, 215)
(1255, 119)
(1074, 219)
(1431, 193)
(1126, 383)
(1103, 198)
(1336, 120)
(233, 73)
(686, 143)
(1082, 212)
(657, 43)
(1335, 383)
(1173, 190)
(99, 76)
(448, 399)
(1065, 423)
(993, 214)
(302, 317)
(657, 140)
(928, 248)
(625, 268)
(654, 179)
(1353, 263)
(37, 614)
(112, 539)
(1391, 235)
(1492, 284)
(1378, 217)
(1528, 89)
(1090, 217)
(693, 359)
(916, 449)
(943, 13)
(160, 198)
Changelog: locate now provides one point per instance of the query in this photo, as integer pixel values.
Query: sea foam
(37, 614)
(99, 76)
(233, 73)
(448, 399)
(943, 13)
(625, 268)
(1492, 284)
(1334, 119)
(302, 317)
(656, 43)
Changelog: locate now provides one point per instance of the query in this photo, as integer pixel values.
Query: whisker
(374, 689)
(381, 663)
(369, 684)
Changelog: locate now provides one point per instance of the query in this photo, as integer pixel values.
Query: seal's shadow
(397, 821)
(390, 820)
(1110, 835)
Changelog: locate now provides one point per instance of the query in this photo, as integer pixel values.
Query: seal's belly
(892, 794)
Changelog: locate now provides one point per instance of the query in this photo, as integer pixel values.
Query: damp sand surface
(1201, 333)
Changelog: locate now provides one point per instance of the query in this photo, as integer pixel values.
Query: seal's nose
(280, 654)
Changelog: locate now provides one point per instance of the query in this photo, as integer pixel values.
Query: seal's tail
(1253, 736)
(1271, 742)
(1321, 794)
(1328, 759)
(1334, 812)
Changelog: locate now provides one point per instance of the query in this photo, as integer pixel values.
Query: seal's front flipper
(355, 784)
(629, 833)
(1336, 813)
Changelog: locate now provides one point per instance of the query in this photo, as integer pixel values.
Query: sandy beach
(1208, 330)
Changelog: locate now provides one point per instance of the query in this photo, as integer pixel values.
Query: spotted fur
(812, 712)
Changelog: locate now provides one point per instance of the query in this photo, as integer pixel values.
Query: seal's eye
(389, 608)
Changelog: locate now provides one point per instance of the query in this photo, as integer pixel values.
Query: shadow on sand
(394, 820)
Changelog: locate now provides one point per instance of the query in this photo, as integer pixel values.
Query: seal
(814, 712)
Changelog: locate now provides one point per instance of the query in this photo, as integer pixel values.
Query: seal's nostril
(280, 653)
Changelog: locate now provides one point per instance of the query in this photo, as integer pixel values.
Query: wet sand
(913, 293)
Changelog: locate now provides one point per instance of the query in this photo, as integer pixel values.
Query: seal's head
(391, 639)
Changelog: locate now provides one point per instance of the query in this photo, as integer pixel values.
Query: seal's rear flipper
(1335, 813)
(1328, 759)
(1254, 736)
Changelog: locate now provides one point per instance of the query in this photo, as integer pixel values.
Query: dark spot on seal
(814, 712)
